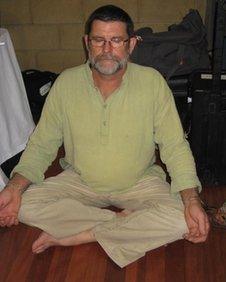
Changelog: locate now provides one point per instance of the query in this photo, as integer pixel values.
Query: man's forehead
(102, 28)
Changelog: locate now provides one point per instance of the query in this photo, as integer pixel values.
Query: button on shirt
(111, 143)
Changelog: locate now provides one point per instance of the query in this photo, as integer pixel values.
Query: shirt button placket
(104, 126)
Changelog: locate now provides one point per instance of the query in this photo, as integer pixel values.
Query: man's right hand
(10, 200)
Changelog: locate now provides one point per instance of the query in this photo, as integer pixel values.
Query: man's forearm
(18, 182)
(190, 195)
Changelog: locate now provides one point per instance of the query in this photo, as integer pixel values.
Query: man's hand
(10, 200)
(195, 216)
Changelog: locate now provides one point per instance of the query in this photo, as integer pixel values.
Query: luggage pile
(199, 88)
(208, 119)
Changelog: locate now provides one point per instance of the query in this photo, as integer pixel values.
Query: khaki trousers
(63, 206)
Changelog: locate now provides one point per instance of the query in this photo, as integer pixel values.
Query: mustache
(107, 56)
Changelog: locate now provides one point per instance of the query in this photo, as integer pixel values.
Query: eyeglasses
(115, 42)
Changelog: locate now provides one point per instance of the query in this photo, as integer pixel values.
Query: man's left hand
(197, 222)
(195, 216)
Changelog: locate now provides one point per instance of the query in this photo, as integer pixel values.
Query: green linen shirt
(111, 144)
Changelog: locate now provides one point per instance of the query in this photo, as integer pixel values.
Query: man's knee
(176, 219)
(180, 225)
(27, 214)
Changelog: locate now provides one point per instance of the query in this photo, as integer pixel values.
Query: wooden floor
(180, 261)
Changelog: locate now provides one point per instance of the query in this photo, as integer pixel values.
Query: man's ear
(132, 43)
(86, 41)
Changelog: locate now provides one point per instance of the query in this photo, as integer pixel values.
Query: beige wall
(47, 34)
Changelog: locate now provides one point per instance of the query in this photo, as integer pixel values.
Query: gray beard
(118, 64)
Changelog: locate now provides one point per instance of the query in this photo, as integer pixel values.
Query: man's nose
(107, 46)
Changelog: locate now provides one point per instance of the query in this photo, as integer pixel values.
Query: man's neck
(107, 84)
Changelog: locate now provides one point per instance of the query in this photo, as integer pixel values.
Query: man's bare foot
(124, 213)
(45, 241)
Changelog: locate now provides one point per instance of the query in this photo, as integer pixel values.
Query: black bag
(180, 50)
(37, 84)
